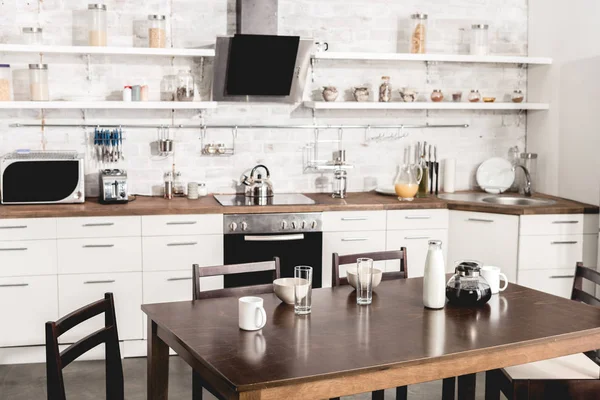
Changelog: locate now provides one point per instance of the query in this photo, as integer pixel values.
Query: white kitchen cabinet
(75, 291)
(354, 221)
(98, 255)
(165, 253)
(171, 225)
(28, 258)
(27, 304)
(489, 238)
(417, 244)
(551, 224)
(546, 252)
(98, 227)
(417, 219)
(556, 281)
(27, 228)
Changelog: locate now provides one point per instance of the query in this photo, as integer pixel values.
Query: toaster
(113, 186)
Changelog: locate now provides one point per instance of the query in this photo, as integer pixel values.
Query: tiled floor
(84, 380)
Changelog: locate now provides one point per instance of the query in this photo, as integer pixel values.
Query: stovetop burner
(230, 200)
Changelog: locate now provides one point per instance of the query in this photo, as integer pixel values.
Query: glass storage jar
(97, 24)
(185, 86)
(32, 36)
(437, 95)
(385, 90)
(517, 96)
(479, 40)
(157, 31)
(418, 33)
(5, 83)
(38, 82)
(474, 96)
(168, 88)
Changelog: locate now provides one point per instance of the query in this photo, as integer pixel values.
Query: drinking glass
(302, 289)
(364, 282)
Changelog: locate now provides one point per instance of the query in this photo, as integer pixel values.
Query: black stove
(284, 199)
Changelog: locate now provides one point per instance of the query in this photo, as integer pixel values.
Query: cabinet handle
(14, 249)
(14, 227)
(95, 282)
(480, 220)
(355, 219)
(416, 237)
(189, 278)
(417, 217)
(354, 239)
(99, 224)
(15, 285)
(97, 246)
(562, 276)
(565, 222)
(183, 244)
(182, 223)
(565, 242)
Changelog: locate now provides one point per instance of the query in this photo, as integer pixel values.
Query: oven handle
(278, 238)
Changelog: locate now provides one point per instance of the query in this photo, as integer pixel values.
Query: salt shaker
(434, 278)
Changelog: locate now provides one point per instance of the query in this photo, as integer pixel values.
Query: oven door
(292, 249)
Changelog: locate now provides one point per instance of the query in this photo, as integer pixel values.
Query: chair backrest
(377, 256)
(200, 272)
(578, 294)
(56, 361)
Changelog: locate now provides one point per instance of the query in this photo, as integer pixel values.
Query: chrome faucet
(526, 189)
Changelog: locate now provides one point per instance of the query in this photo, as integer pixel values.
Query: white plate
(386, 190)
(495, 175)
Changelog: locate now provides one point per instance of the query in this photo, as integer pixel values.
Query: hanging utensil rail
(182, 126)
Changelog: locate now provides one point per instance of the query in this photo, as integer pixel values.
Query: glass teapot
(407, 181)
(467, 287)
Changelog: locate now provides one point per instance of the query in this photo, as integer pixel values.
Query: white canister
(202, 190)
(434, 278)
(252, 314)
(127, 93)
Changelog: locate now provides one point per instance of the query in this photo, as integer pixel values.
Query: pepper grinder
(340, 176)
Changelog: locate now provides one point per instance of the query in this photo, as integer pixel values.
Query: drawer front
(27, 304)
(352, 221)
(98, 227)
(166, 225)
(166, 253)
(27, 229)
(76, 291)
(417, 219)
(78, 256)
(556, 224)
(558, 282)
(30, 257)
(544, 252)
(350, 243)
(417, 245)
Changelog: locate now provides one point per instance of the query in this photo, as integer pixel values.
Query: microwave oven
(42, 177)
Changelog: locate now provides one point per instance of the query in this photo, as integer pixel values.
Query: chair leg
(466, 387)
(196, 386)
(448, 388)
(402, 393)
(492, 386)
(378, 395)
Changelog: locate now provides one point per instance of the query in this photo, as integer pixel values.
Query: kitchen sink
(517, 201)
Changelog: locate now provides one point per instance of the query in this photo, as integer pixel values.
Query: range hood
(256, 64)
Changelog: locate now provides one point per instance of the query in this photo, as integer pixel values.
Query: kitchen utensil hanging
(217, 149)
(165, 143)
(108, 145)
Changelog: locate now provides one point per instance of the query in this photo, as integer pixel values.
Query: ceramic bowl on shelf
(353, 279)
(489, 99)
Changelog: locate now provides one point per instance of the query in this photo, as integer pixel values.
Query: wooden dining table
(343, 349)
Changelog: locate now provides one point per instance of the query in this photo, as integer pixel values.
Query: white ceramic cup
(492, 275)
(252, 315)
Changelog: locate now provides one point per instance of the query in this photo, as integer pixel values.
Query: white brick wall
(348, 25)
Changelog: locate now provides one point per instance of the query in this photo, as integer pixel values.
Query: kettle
(467, 287)
(257, 186)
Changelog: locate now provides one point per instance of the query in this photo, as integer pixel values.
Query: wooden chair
(197, 294)
(56, 361)
(571, 377)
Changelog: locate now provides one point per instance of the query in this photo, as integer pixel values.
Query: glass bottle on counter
(6, 93)
(185, 86)
(97, 24)
(38, 82)
(178, 186)
(157, 36)
(418, 35)
(479, 40)
(32, 36)
(385, 90)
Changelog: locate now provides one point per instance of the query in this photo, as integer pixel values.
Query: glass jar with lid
(418, 33)
(474, 96)
(38, 82)
(437, 95)
(5, 83)
(168, 88)
(185, 86)
(385, 90)
(157, 31)
(97, 24)
(479, 40)
(32, 36)
(518, 96)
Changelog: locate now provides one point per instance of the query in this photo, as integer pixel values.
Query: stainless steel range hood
(257, 65)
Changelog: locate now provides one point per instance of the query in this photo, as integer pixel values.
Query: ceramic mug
(252, 315)
(492, 275)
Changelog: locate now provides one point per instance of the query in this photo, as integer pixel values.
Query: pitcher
(407, 182)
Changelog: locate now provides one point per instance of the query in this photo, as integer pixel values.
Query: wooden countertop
(144, 205)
